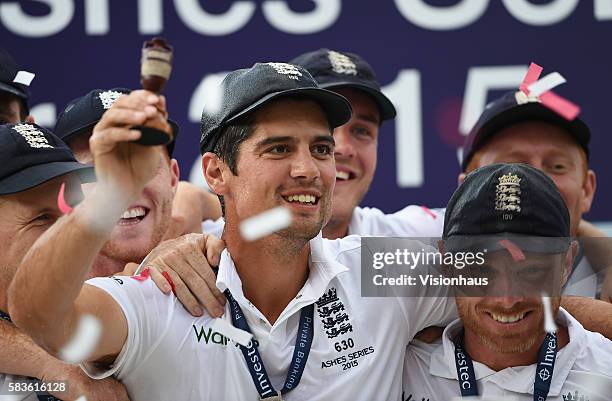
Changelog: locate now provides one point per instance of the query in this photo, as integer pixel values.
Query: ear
(588, 191)
(571, 254)
(30, 119)
(175, 174)
(460, 179)
(215, 173)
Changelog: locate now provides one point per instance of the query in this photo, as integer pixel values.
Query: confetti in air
(62, 205)
(82, 398)
(214, 97)
(265, 223)
(83, 342)
(235, 334)
(549, 323)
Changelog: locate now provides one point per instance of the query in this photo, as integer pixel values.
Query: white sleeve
(214, 227)
(411, 221)
(148, 312)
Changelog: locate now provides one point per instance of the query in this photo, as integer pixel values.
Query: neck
(481, 352)
(273, 269)
(104, 266)
(336, 228)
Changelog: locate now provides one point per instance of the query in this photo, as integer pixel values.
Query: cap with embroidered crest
(13, 80)
(31, 155)
(333, 69)
(83, 113)
(246, 90)
(513, 200)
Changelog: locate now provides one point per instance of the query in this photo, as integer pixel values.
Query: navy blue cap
(501, 199)
(244, 91)
(506, 111)
(30, 155)
(333, 69)
(9, 75)
(83, 113)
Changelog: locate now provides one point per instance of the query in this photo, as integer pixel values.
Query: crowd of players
(304, 135)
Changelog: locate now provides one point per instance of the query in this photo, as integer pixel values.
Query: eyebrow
(283, 139)
(369, 118)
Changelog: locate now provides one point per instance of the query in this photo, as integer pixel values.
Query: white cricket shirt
(583, 368)
(357, 351)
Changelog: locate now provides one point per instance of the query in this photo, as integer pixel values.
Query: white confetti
(24, 78)
(233, 333)
(265, 223)
(214, 97)
(82, 398)
(83, 342)
(549, 322)
(545, 84)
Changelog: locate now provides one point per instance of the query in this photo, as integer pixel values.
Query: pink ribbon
(62, 205)
(514, 250)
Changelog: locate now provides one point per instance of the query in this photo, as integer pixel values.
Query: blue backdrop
(439, 61)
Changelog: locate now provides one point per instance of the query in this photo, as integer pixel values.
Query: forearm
(20, 356)
(594, 315)
(58, 263)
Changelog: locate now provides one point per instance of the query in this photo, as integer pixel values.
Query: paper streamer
(24, 78)
(429, 212)
(143, 275)
(62, 205)
(533, 73)
(545, 84)
(563, 107)
(83, 342)
(170, 281)
(237, 335)
(549, 322)
(516, 252)
(265, 223)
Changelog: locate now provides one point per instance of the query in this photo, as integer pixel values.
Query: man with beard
(514, 130)
(500, 346)
(269, 145)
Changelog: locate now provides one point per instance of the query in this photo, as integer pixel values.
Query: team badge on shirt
(331, 311)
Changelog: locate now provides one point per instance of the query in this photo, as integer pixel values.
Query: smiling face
(144, 224)
(286, 161)
(512, 320)
(548, 148)
(25, 217)
(356, 146)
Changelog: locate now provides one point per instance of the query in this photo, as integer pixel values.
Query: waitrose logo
(209, 336)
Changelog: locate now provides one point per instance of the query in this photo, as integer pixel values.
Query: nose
(304, 166)
(344, 145)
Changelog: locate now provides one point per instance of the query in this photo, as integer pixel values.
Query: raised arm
(57, 264)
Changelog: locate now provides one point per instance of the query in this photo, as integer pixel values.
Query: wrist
(102, 208)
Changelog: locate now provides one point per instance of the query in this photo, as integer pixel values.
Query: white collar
(323, 269)
(520, 378)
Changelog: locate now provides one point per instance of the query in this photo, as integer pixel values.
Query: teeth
(134, 212)
(302, 198)
(507, 318)
(342, 175)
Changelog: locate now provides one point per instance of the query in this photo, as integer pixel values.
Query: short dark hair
(228, 144)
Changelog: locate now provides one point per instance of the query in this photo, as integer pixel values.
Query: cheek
(367, 158)
(570, 190)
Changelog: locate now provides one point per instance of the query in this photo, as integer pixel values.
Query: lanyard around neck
(543, 374)
(254, 361)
